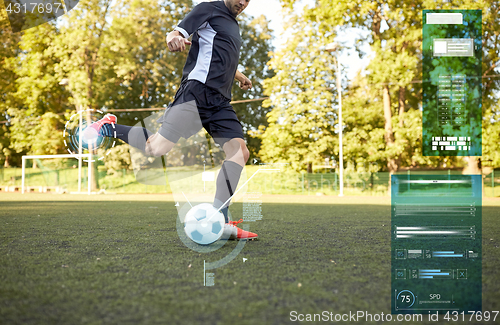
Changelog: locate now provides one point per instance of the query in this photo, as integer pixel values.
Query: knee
(236, 149)
(158, 146)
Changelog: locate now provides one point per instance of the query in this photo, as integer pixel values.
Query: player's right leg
(98, 128)
(152, 144)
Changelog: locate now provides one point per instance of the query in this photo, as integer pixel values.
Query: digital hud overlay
(452, 107)
(435, 243)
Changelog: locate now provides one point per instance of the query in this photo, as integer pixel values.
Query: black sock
(225, 212)
(227, 181)
(134, 136)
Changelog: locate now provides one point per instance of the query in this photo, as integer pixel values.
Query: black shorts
(195, 106)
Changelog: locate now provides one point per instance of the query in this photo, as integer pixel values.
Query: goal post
(77, 156)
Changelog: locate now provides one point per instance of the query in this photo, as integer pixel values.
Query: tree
(393, 38)
(141, 72)
(115, 55)
(395, 29)
(256, 46)
(35, 110)
(72, 53)
(491, 84)
(301, 127)
(9, 49)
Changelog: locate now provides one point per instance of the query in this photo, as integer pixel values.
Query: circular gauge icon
(405, 299)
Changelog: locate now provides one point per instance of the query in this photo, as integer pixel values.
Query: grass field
(117, 259)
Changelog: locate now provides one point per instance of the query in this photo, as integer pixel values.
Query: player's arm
(176, 41)
(245, 83)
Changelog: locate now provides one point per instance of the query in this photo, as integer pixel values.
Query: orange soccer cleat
(233, 232)
(94, 130)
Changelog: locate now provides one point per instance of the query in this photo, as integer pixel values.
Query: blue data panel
(452, 96)
(436, 243)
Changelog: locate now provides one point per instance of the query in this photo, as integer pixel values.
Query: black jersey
(215, 50)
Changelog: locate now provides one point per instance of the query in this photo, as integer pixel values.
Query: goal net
(49, 177)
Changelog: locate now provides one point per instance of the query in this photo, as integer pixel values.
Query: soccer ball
(204, 224)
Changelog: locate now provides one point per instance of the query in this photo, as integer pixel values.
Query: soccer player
(203, 96)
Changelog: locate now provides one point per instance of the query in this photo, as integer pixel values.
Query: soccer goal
(80, 158)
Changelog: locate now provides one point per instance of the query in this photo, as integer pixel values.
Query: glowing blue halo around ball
(204, 224)
(91, 139)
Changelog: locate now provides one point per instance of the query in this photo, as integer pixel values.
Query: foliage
(141, 72)
(301, 123)
(383, 116)
(5, 151)
(117, 159)
(491, 136)
(9, 49)
(256, 46)
(491, 85)
(38, 99)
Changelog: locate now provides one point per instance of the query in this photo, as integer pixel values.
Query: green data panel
(452, 106)
(436, 243)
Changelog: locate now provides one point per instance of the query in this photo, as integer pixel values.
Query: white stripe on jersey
(206, 43)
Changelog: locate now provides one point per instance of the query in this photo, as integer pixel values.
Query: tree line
(382, 107)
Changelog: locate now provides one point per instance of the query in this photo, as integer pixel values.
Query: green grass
(118, 260)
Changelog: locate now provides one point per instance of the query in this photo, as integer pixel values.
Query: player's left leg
(229, 175)
(227, 181)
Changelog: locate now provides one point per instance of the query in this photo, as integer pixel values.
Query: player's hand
(177, 44)
(245, 83)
